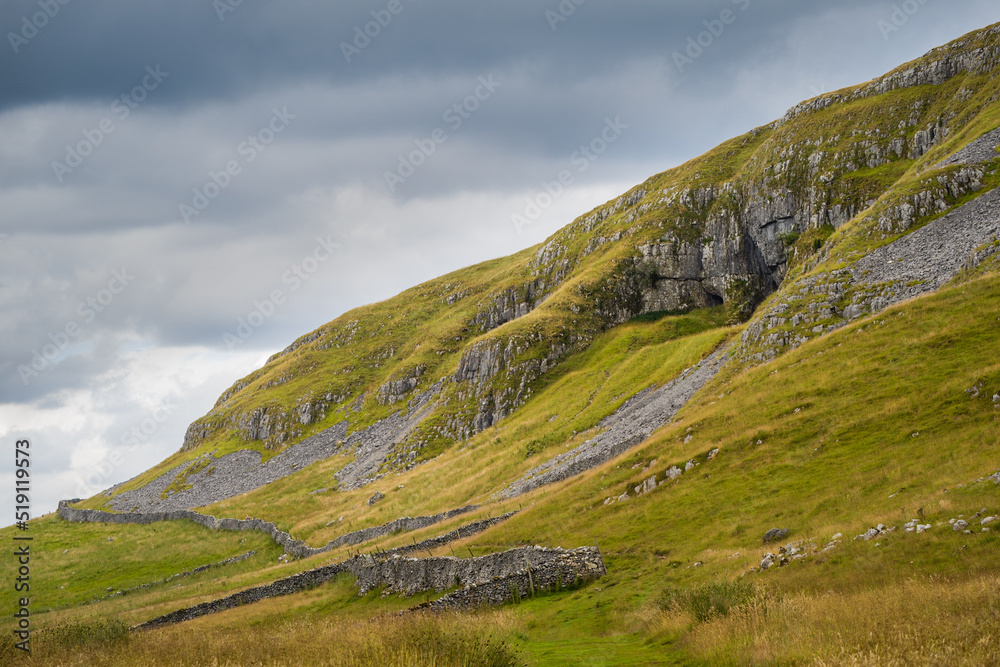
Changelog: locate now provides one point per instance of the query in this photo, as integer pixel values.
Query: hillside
(794, 331)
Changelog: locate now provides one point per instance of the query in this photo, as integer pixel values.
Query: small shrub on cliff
(789, 239)
(741, 299)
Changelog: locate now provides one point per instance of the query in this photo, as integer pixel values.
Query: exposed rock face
(678, 282)
(933, 199)
(697, 266)
(260, 424)
(490, 373)
(507, 306)
(946, 62)
(688, 275)
(681, 240)
(915, 264)
(730, 242)
(396, 390)
(268, 424)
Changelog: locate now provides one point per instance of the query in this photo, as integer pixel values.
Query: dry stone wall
(467, 530)
(490, 579)
(564, 570)
(291, 545)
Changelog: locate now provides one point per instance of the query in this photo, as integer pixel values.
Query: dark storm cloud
(99, 50)
(602, 60)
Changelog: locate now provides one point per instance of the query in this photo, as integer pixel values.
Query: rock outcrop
(915, 264)
(938, 66)
(723, 229)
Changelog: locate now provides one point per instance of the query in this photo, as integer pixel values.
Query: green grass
(710, 600)
(75, 564)
(582, 391)
(446, 640)
(869, 386)
(849, 387)
(829, 468)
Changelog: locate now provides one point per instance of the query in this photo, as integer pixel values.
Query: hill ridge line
(243, 471)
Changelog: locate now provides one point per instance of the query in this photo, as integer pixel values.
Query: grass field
(878, 428)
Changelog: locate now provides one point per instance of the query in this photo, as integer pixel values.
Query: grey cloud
(100, 49)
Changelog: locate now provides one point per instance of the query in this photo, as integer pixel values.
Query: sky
(188, 186)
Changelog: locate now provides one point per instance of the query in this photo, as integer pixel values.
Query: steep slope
(889, 420)
(399, 382)
(820, 295)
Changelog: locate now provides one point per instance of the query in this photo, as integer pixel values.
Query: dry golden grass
(413, 640)
(923, 621)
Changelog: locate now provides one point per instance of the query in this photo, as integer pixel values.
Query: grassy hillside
(856, 155)
(890, 419)
(869, 425)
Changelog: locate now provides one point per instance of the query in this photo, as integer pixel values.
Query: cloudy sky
(169, 170)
